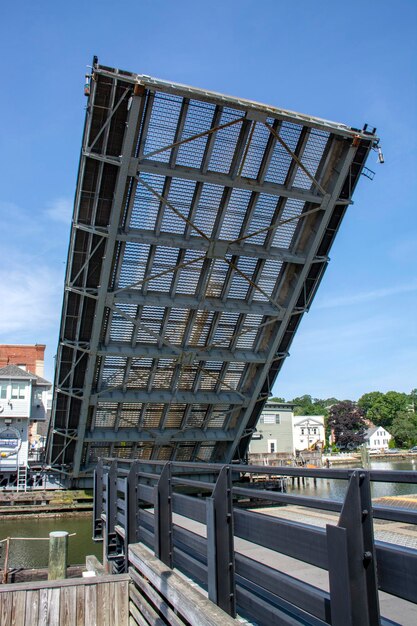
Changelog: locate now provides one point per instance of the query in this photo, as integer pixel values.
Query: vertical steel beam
(220, 547)
(98, 502)
(352, 560)
(163, 517)
(119, 193)
(111, 510)
(132, 504)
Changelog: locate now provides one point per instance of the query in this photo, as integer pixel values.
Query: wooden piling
(58, 555)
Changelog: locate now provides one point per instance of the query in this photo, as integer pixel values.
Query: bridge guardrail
(138, 502)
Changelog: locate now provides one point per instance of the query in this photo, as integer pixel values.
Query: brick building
(29, 358)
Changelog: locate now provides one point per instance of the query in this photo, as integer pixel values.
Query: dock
(44, 502)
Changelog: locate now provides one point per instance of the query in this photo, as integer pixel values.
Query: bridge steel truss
(201, 230)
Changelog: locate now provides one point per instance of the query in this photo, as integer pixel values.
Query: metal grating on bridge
(201, 230)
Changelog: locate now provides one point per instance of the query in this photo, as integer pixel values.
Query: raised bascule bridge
(201, 230)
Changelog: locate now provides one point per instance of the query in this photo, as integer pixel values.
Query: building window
(37, 396)
(18, 391)
(302, 431)
(269, 418)
(272, 447)
(3, 391)
(277, 418)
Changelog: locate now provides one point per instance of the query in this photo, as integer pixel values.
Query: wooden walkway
(96, 601)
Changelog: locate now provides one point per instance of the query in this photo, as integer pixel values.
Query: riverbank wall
(15, 505)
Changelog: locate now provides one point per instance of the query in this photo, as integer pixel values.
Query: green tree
(386, 407)
(413, 400)
(347, 423)
(306, 405)
(367, 401)
(404, 429)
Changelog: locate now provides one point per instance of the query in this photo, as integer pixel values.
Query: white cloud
(364, 296)
(31, 298)
(60, 210)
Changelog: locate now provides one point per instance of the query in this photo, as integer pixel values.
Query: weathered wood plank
(145, 608)
(122, 602)
(5, 609)
(91, 605)
(67, 582)
(134, 612)
(112, 603)
(53, 607)
(68, 606)
(80, 609)
(103, 604)
(189, 602)
(43, 607)
(92, 564)
(18, 609)
(32, 607)
(156, 599)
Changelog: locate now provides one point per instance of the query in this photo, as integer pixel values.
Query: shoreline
(356, 459)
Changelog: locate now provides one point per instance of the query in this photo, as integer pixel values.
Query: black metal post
(98, 502)
(163, 517)
(351, 558)
(132, 504)
(111, 511)
(220, 546)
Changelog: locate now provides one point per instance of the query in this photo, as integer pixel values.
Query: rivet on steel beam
(367, 558)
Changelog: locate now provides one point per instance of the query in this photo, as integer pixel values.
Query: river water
(336, 489)
(34, 554)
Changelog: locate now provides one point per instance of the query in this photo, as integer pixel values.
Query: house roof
(270, 404)
(371, 431)
(300, 420)
(14, 372)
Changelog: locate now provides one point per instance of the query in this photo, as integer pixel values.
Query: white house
(308, 431)
(377, 438)
(23, 399)
(279, 430)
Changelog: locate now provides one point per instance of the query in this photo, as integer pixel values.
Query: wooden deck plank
(146, 609)
(122, 602)
(111, 594)
(66, 582)
(5, 610)
(191, 604)
(156, 599)
(53, 607)
(80, 608)
(134, 612)
(18, 609)
(68, 606)
(103, 604)
(43, 607)
(32, 607)
(91, 605)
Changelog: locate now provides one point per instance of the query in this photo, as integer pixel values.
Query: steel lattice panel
(201, 230)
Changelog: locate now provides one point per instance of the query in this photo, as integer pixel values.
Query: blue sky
(352, 62)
